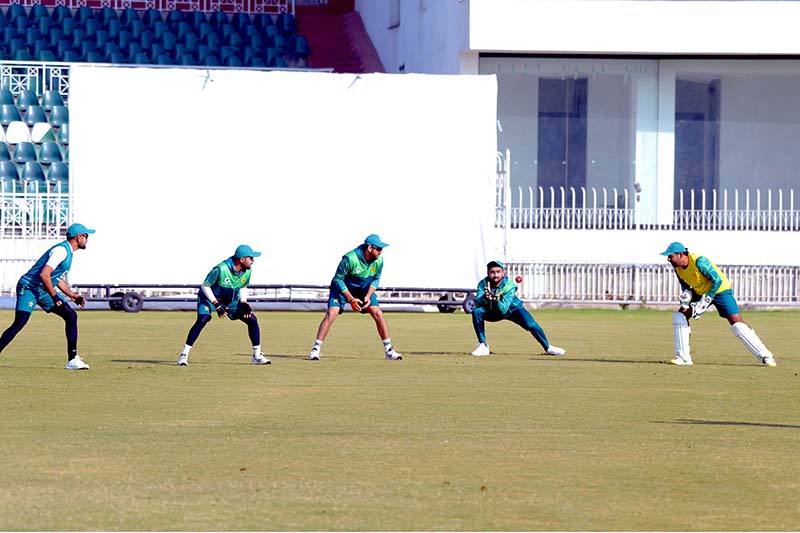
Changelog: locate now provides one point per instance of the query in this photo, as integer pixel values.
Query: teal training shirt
(507, 297)
(226, 283)
(32, 279)
(355, 273)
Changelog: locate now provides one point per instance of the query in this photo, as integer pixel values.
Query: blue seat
(16, 11)
(39, 11)
(300, 47)
(218, 18)
(113, 27)
(133, 49)
(8, 114)
(141, 59)
(78, 38)
(9, 185)
(136, 27)
(187, 60)
(146, 38)
(49, 153)
(128, 15)
(58, 176)
(5, 155)
(91, 26)
(234, 40)
(63, 135)
(101, 38)
(174, 16)
(6, 97)
(59, 116)
(124, 38)
(60, 13)
(286, 24)
(116, 58)
(240, 20)
(94, 56)
(159, 28)
(8, 169)
(71, 56)
(24, 152)
(32, 34)
(53, 36)
(83, 13)
(110, 48)
(10, 33)
(68, 25)
(196, 18)
(168, 41)
(106, 14)
(86, 47)
(34, 114)
(150, 16)
(32, 176)
(45, 56)
(191, 41)
(232, 61)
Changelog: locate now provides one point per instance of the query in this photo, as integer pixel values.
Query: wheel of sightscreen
(469, 304)
(132, 302)
(446, 308)
(115, 303)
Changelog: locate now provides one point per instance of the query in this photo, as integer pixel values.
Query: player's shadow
(627, 361)
(689, 421)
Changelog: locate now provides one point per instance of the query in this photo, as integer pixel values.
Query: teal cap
(374, 240)
(78, 229)
(491, 264)
(675, 248)
(245, 251)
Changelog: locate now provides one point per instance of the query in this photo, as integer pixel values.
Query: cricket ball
(519, 279)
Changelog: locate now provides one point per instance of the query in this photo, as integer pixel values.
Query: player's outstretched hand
(79, 300)
(356, 304)
(701, 306)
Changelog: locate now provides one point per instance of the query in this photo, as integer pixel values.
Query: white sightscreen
(176, 167)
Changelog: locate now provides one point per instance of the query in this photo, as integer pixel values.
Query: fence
(588, 283)
(231, 6)
(614, 209)
(40, 215)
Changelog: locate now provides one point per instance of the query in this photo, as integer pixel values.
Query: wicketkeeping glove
(221, 310)
(685, 299)
(701, 306)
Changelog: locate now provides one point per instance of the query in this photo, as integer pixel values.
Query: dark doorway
(697, 107)
(562, 138)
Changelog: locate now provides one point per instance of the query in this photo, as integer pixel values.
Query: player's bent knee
(679, 319)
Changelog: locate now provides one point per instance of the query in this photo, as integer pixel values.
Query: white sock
(186, 349)
(256, 350)
(317, 345)
(387, 345)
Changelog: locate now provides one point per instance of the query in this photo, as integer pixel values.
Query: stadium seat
(70, 56)
(101, 38)
(232, 61)
(34, 114)
(150, 16)
(5, 155)
(111, 48)
(58, 177)
(32, 34)
(136, 27)
(187, 60)
(286, 24)
(22, 54)
(45, 56)
(53, 36)
(113, 26)
(168, 41)
(59, 116)
(39, 11)
(141, 59)
(163, 59)
(9, 185)
(8, 114)
(32, 176)
(117, 58)
(146, 38)
(62, 46)
(94, 57)
(83, 13)
(263, 21)
(6, 97)
(159, 28)
(240, 20)
(60, 12)
(16, 11)
(51, 98)
(9, 33)
(63, 135)
(196, 18)
(78, 38)
(8, 170)
(218, 18)
(129, 15)
(86, 47)
(300, 47)
(124, 38)
(174, 16)
(69, 25)
(256, 62)
(24, 152)
(49, 153)
(91, 26)
(106, 14)
(133, 49)
(41, 132)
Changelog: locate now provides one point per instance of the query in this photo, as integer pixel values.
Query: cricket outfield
(607, 437)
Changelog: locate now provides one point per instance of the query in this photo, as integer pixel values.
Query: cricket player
(497, 300)
(354, 284)
(703, 284)
(38, 287)
(224, 291)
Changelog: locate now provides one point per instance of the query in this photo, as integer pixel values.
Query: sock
(256, 350)
(186, 349)
(387, 345)
(317, 344)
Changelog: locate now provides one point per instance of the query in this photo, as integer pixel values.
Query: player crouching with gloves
(703, 284)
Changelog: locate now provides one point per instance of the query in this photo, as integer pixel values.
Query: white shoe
(555, 350)
(76, 363)
(683, 361)
(481, 350)
(769, 361)
(261, 360)
(183, 360)
(392, 355)
(313, 355)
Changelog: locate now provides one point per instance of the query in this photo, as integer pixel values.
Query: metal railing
(246, 6)
(603, 208)
(589, 283)
(41, 215)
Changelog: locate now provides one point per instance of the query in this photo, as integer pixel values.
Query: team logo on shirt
(358, 270)
(227, 280)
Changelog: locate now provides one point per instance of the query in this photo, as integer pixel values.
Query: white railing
(42, 215)
(246, 6)
(19, 75)
(589, 283)
(614, 209)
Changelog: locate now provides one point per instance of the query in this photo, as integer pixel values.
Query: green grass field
(605, 438)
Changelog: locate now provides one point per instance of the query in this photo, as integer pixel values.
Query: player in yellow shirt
(703, 284)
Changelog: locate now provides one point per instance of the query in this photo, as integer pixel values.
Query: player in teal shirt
(224, 291)
(38, 287)
(497, 300)
(354, 283)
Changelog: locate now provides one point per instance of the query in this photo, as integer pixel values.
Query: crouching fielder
(703, 284)
(497, 300)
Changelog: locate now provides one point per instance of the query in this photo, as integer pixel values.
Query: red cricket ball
(519, 279)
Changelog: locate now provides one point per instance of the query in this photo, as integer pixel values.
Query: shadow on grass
(690, 421)
(543, 357)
